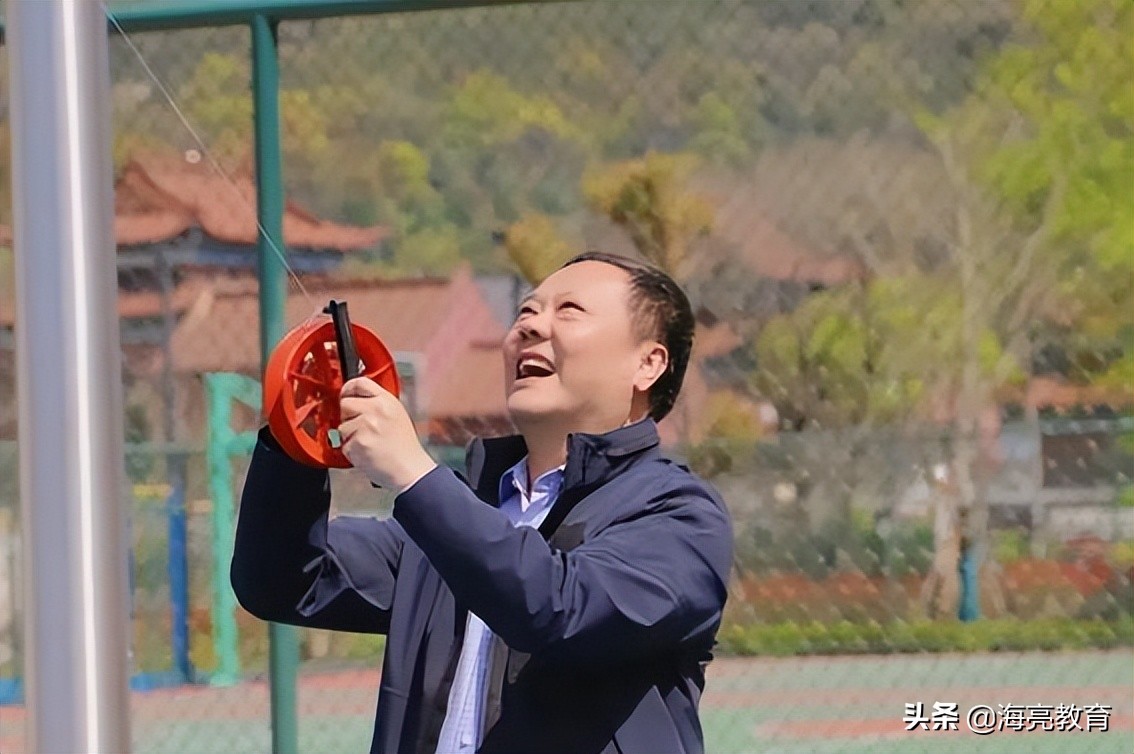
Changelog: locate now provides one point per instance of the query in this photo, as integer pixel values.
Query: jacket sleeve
(653, 583)
(291, 565)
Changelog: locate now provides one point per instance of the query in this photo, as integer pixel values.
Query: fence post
(283, 644)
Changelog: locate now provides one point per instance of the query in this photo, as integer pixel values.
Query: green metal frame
(283, 641)
(183, 14)
(222, 390)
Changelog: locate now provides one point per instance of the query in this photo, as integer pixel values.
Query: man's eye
(570, 305)
(525, 310)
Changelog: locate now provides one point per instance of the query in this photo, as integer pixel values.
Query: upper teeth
(530, 362)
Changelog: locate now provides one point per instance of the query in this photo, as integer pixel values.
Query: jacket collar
(592, 460)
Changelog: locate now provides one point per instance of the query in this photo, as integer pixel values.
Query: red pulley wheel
(302, 382)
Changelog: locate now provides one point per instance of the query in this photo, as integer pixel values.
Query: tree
(648, 198)
(862, 356)
(1063, 101)
(1036, 168)
(1041, 161)
(536, 248)
(218, 104)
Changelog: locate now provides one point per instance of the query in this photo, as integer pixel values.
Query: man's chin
(526, 409)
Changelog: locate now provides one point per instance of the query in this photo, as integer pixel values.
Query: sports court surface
(811, 705)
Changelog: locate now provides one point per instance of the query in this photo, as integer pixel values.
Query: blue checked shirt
(461, 733)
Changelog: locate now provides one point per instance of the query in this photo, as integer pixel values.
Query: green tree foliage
(650, 200)
(1038, 167)
(1064, 96)
(423, 240)
(719, 135)
(536, 248)
(429, 251)
(486, 111)
(510, 104)
(412, 204)
(871, 354)
(218, 102)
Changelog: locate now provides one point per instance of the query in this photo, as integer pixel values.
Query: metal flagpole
(69, 379)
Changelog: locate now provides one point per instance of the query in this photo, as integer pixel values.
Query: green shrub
(1010, 545)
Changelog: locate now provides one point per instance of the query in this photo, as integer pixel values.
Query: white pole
(69, 379)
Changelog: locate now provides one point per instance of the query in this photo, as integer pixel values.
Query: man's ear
(655, 360)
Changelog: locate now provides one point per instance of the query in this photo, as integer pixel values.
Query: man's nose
(534, 326)
(530, 332)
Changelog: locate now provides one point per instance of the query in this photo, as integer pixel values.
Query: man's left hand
(379, 437)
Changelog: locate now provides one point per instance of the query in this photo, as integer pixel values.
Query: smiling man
(566, 595)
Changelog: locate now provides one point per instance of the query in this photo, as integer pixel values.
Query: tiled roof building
(443, 327)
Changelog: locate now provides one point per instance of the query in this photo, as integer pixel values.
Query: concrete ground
(811, 705)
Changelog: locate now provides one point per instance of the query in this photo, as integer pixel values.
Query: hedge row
(1001, 635)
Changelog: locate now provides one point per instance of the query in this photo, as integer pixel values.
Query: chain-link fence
(905, 229)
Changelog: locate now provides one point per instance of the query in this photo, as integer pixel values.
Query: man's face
(572, 355)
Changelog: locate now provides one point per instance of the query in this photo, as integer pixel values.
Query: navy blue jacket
(606, 615)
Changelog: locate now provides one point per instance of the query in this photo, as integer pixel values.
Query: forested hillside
(453, 125)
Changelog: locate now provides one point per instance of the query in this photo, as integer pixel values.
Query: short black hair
(661, 312)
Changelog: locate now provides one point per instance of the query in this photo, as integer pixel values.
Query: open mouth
(533, 367)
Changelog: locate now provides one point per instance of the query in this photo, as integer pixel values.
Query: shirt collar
(591, 459)
(516, 478)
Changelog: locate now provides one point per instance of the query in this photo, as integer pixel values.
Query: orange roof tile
(131, 304)
(446, 323)
(475, 386)
(771, 253)
(157, 198)
(1048, 392)
(220, 332)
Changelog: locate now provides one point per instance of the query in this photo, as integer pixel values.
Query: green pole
(283, 645)
(221, 389)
